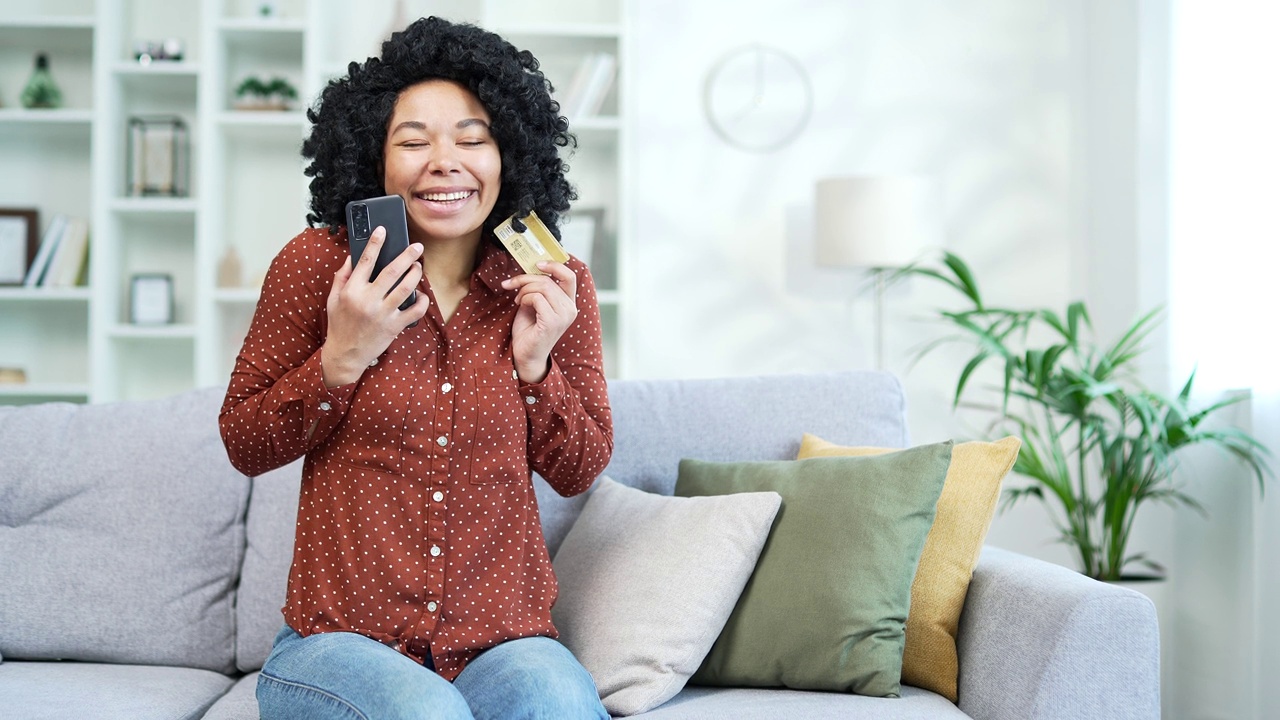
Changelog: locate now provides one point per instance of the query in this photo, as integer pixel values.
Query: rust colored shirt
(417, 522)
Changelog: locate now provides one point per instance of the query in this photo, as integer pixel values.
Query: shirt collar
(496, 265)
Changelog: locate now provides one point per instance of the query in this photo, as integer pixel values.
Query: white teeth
(446, 197)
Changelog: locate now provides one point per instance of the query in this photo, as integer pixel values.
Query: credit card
(533, 245)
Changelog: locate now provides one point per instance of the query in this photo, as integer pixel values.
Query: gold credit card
(533, 245)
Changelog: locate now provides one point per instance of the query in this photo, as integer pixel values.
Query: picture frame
(19, 240)
(159, 151)
(582, 234)
(151, 299)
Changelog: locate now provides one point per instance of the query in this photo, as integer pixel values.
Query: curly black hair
(349, 121)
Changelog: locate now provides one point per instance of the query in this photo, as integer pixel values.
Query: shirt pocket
(500, 438)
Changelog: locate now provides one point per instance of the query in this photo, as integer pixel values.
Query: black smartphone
(365, 215)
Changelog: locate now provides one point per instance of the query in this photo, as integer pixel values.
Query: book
(48, 244)
(590, 85)
(573, 93)
(68, 259)
(597, 89)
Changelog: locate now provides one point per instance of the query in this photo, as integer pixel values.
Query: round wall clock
(757, 98)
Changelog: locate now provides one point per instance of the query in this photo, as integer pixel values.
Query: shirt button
(326, 406)
(446, 387)
(374, 362)
(442, 441)
(431, 606)
(435, 551)
(515, 375)
(529, 399)
(437, 496)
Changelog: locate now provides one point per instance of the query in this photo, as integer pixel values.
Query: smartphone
(365, 215)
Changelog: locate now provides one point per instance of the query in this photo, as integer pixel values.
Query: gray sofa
(141, 576)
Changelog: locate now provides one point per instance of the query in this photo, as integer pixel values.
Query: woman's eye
(471, 143)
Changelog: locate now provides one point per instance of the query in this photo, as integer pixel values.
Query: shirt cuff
(320, 404)
(545, 399)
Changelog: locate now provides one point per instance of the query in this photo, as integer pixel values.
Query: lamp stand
(880, 288)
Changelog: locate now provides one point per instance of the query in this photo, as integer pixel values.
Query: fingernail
(417, 247)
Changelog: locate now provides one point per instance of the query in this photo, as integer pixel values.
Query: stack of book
(584, 97)
(63, 256)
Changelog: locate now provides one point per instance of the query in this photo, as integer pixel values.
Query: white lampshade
(876, 222)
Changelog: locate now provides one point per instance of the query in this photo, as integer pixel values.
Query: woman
(421, 585)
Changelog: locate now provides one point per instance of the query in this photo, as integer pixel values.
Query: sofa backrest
(123, 526)
(656, 423)
(121, 533)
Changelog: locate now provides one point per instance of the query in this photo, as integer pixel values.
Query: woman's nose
(442, 159)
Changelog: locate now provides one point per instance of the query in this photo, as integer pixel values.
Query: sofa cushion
(701, 703)
(647, 582)
(240, 702)
(51, 690)
(951, 551)
(121, 533)
(268, 553)
(826, 607)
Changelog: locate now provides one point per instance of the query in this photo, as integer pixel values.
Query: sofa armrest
(1040, 641)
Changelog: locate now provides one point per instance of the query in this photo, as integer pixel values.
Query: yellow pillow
(951, 551)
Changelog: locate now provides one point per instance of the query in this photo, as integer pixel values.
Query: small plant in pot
(1096, 444)
(253, 93)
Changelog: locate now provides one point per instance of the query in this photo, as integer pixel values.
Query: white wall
(989, 96)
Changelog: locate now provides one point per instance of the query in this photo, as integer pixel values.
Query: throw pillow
(826, 606)
(647, 582)
(951, 550)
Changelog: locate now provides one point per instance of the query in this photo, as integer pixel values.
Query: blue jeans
(345, 675)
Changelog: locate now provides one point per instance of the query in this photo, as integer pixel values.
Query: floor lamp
(876, 223)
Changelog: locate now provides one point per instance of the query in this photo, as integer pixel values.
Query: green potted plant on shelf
(253, 93)
(1096, 444)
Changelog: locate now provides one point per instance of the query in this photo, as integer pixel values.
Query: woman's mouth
(447, 199)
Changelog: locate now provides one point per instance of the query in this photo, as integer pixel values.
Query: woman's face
(441, 158)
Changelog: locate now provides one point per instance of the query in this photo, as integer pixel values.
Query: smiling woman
(423, 419)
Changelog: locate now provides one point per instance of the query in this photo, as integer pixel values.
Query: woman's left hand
(546, 307)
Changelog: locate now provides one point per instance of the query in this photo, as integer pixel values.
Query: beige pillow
(951, 550)
(647, 582)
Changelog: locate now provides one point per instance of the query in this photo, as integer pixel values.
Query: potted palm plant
(1096, 444)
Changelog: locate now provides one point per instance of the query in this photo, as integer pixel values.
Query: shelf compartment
(46, 339)
(68, 42)
(46, 166)
(148, 243)
(150, 366)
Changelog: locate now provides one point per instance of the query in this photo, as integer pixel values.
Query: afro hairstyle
(349, 121)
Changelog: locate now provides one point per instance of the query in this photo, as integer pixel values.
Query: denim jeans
(345, 675)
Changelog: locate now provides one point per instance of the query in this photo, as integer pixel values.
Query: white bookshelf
(76, 344)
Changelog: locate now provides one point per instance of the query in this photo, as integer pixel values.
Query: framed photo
(582, 233)
(158, 153)
(19, 236)
(151, 299)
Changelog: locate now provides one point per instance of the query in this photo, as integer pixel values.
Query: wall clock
(757, 98)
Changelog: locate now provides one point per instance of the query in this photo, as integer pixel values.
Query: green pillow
(827, 604)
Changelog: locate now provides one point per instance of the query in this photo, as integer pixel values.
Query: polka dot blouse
(417, 522)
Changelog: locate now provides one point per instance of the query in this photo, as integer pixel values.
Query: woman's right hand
(364, 317)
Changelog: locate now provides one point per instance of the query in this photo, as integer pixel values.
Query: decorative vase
(41, 91)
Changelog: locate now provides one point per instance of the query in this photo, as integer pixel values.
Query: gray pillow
(123, 533)
(647, 582)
